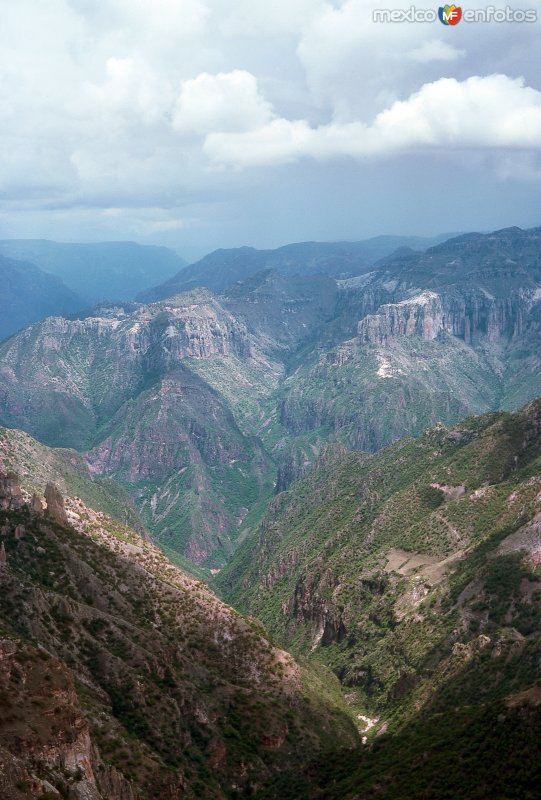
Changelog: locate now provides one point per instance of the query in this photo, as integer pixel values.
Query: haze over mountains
(43, 278)
(28, 295)
(98, 271)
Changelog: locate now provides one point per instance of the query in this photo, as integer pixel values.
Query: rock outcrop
(470, 315)
(11, 497)
(55, 504)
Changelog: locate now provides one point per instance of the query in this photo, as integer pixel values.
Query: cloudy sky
(207, 123)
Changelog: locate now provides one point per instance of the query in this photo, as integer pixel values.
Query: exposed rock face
(292, 466)
(37, 504)
(55, 504)
(420, 316)
(308, 605)
(11, 497)
(471, 316)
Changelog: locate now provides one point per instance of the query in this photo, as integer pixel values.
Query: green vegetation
(412, 574)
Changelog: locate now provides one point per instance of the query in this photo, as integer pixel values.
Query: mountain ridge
(413, 573)
(222, 268)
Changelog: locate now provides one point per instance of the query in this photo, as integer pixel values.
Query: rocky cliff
(471, 315)
(420, 316)
(438, 335)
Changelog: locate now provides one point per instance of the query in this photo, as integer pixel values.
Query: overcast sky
(208, 123)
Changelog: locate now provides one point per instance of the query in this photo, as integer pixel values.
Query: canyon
(349, 456)
(203, 405)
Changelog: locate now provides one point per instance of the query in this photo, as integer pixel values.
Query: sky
(216, 123)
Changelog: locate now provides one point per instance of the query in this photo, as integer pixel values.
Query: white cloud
(166, 103)
(131, 90)
(259, 18)
(146, 18)
(480, 112)
(356, 67)
(225, 102)
(435, 50)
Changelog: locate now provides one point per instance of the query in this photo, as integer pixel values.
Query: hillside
(415, 575)
(35, 464)
(124, 679)
(98, 271)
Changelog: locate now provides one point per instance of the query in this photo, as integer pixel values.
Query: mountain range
(277, 534)
(203, 405)
(220, 269)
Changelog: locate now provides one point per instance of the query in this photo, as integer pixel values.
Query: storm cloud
(203, 123)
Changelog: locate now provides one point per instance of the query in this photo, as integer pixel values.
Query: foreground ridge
(124, 678)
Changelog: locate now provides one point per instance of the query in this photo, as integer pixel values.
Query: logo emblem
(449, 15)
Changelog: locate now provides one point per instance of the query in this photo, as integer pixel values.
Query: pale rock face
(37, 505)
(55, 504)
(11, 497)
(419, 316)
(467, 315)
